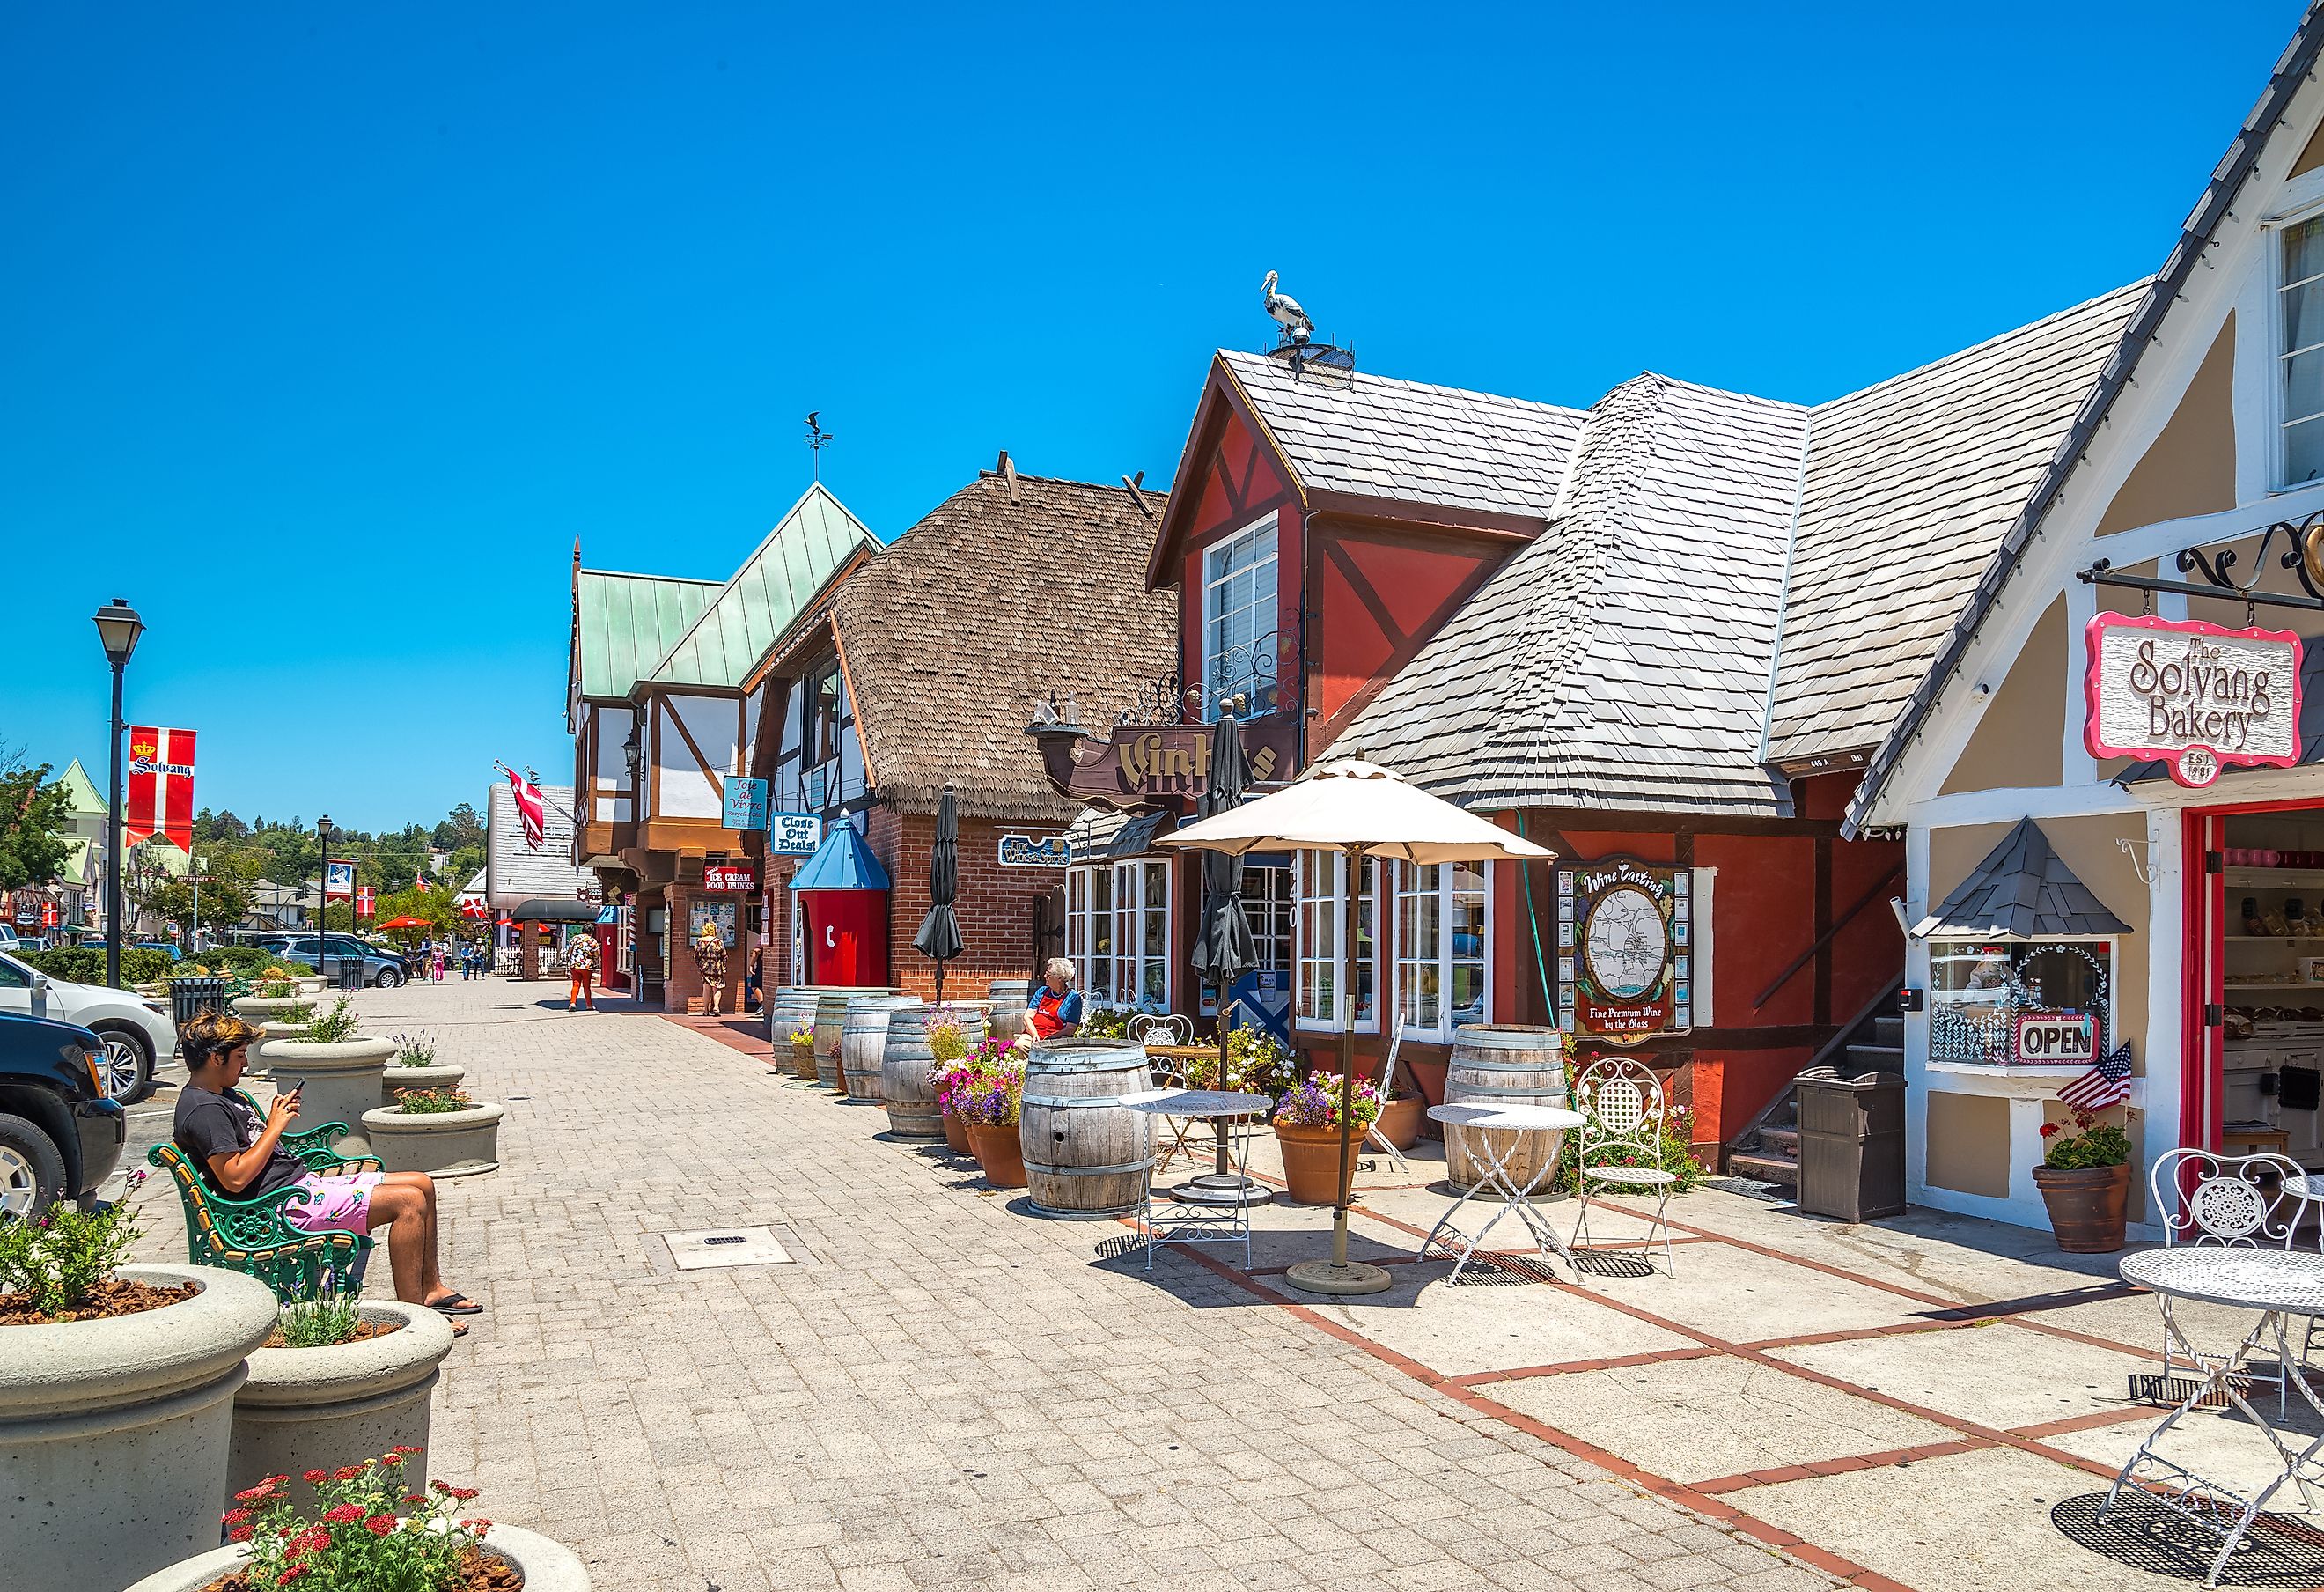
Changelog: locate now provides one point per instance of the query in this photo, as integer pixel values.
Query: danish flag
(160, 799)
(363, 900)
(529, 807)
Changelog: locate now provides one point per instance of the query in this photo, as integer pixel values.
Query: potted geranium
(369, 1525)
(1307, 1129)
(441, 1132)
(117, 1398)
(987, 1106)
(2085, 1181)
(339, 1375)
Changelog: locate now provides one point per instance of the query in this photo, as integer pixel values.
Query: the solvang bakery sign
(2197, 696)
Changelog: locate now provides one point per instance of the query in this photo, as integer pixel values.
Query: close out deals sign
(2198, 697)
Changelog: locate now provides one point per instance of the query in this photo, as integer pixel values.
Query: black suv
(59, 1136)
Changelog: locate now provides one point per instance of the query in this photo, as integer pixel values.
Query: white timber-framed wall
(2187, 457)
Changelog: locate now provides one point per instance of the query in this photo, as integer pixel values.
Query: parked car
(7, 938)
(32, 942)
(135, 1034)
(59, 1136)
(381, 968)
(164, 947)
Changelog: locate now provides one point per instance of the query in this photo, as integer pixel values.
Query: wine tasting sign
(2198, 697)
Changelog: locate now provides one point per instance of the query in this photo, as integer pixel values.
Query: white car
(138, 1033)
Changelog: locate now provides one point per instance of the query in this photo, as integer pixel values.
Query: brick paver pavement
(944, 1392)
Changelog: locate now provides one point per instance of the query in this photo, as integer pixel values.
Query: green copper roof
(629, 623)
(733, 632)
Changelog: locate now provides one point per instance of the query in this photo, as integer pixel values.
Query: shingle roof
(730, 635)
(951, 633)
(1908, 488)
(626, 624)
(2025, 890)
(1621, 659)
(1407, 441)
(513, 872)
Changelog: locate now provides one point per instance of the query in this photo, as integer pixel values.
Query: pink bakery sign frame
(2197, 696)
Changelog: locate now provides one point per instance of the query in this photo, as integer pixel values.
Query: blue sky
(329, 329)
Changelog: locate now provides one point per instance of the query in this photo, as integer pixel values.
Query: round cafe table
(1223, 1184)
(2282, 1286)
(1496, 1131)
(1178, 1218)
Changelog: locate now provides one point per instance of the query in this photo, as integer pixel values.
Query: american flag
(2102, 1086)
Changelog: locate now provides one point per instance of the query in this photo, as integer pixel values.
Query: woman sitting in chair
(1057, 1010)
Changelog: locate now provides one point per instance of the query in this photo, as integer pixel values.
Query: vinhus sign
(2197, 696)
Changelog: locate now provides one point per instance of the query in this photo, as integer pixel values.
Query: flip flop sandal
(456, 1304)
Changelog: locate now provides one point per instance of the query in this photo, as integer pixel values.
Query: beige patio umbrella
(1357, 809)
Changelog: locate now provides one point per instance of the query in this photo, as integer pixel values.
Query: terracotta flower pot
(957, 1135)
(1311, 1171)
(1400, 1121)
(2086, 1206)
(802, 1063)
(999, 1153)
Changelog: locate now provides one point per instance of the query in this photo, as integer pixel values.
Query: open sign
(2046, 1040)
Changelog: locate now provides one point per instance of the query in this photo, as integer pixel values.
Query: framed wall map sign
(1625, 950)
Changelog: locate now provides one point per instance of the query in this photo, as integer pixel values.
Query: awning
(1101, 836)
(540, 910)
(2021, 891)
(843, 862)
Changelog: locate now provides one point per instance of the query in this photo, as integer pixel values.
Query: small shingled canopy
(2023, 890)
(540, 910)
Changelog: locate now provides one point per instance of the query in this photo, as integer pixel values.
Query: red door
(847, 936)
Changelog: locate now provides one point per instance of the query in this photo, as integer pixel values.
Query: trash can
(189, 997)
(1851, 1144)
(351, 973)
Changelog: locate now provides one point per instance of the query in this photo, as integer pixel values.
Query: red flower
(344, 1513)
(406, 1449)
(310, 1540)
(234, 1517)
(379, 1525)
(240, 1535)
(477, 1525)
(257, 1494)
(313, 1476)
(2048, 1128)
(346, 1472)
(449, 1491)
(291, 1574)
(415, 1497)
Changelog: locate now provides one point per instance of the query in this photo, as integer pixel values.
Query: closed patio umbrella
(939, 935)
(1357, 809)
(1224, 950)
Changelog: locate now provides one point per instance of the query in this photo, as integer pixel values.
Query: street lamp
(117, 630)
(323, 899)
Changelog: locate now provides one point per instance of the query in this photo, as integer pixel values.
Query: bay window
(1118, 932)
(2300, 351)
(1238, 619)
(1443, 918)
(1323, 882)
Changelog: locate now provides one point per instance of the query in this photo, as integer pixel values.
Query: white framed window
(2299, 352)
(1267, 908)
(1443, 936)
(1238, 615)
(2008, 1002)
(1117, 931)
(1322, 896)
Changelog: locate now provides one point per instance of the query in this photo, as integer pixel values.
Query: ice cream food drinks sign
(2201, 698)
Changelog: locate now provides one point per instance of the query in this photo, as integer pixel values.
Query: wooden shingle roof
(1009, 588)
(2023, 890)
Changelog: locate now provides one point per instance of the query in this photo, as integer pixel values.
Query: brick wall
(994, 907)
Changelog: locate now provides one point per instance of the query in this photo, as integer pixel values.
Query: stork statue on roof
(1296, 327)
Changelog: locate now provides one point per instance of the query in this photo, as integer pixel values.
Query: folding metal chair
(2234, 1202)
(1372, 1134)
(1177, 1029)
(1623, 1112)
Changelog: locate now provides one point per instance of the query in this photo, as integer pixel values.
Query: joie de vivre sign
(2197, 696)
(1036, 851)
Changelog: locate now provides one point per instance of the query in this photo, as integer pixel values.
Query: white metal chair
(1623, 1115)
(1372, 1134)
(1149, 1028)
(2234, 1202)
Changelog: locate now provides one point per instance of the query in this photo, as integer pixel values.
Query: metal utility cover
(726, 1246)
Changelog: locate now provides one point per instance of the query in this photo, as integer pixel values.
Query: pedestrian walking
(436, 964)
(581, 965)
(710, 957)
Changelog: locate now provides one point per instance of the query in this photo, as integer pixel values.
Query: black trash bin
(189, 997)
(351, 973)
(1851, 1144)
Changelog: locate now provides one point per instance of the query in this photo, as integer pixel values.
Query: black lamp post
(323, 902)
(117, 630)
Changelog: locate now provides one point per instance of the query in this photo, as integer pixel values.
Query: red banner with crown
(160, 798)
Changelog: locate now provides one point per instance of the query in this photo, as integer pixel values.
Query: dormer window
(2299, 316)
(1238, 619)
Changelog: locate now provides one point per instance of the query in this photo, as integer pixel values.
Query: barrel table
(864, 1043)
(1087, 1153)
(1503, 1064)
(910, 1095)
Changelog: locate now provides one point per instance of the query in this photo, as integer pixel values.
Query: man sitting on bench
(240, 1157)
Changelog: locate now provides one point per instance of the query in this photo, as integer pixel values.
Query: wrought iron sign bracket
(2302, 553)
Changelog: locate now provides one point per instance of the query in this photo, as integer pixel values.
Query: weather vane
(815, 438)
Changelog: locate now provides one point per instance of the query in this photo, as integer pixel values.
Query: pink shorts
(340, 1203)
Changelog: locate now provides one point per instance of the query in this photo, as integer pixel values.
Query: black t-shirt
(210, 1125)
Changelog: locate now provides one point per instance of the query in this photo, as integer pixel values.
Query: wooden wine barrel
(831, 1003)
(1503, 1064)
(1009, 1002)
(1086, 1154)
(864, 1043)
(792, 1009)
(909, 1095)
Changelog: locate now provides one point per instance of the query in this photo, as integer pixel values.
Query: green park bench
(253, 1237)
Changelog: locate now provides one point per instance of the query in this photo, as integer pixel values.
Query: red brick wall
(994, 907)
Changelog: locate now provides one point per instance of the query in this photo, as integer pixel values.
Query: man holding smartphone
(242, 1157)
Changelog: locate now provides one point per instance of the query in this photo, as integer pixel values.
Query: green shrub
(429, 1102)
(59, 1258)
(241, 958)
(85, 963)
(333, 1027)
(2093, 1147)
(316, 1323)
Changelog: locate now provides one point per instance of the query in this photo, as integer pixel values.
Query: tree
(33, 811)
(223, 903)
(461, 827)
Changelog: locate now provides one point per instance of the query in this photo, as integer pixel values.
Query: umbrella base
(1347, 1277)
(1222, 1188)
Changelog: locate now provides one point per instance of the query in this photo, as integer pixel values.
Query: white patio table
(1508, 1125)
(1178, 1218)
(2281, 1287)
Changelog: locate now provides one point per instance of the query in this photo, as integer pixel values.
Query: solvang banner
(161, 796)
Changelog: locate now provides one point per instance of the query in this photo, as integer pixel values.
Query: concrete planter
(445, 1074)
(442, 1143)
(545, 1566)
(310, 1408)
(113, 1434)
(341, 1083)
(264, 1009)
